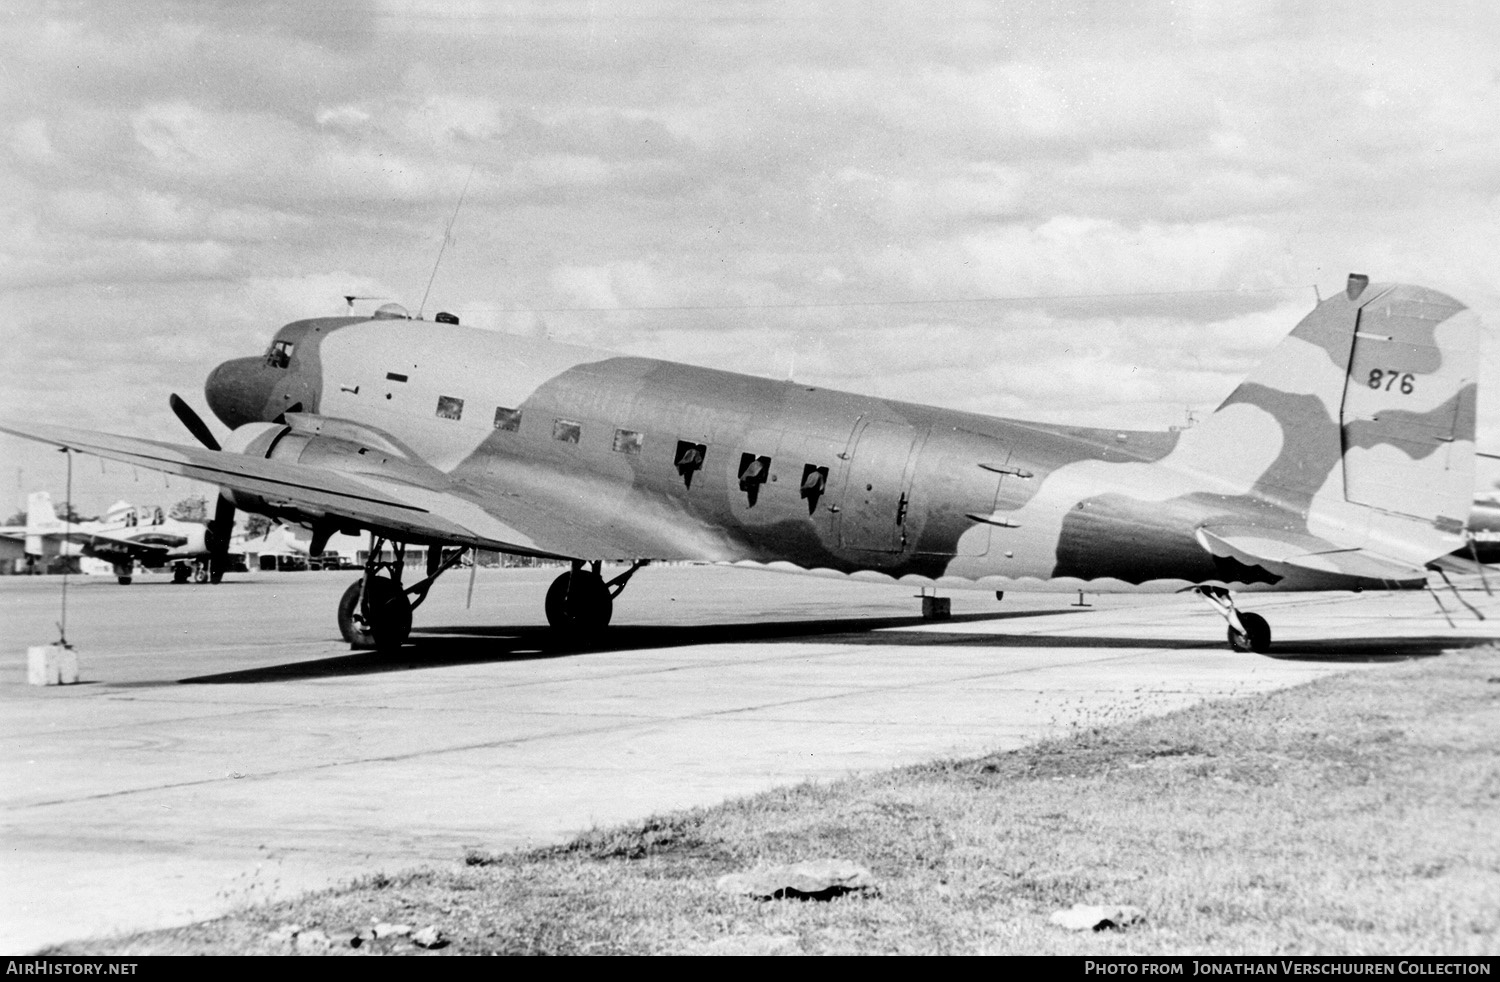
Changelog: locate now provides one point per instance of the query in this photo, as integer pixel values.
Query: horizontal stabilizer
(1280, 547)
(1457, 564)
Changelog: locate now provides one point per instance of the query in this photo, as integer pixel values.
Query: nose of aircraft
(238, 391)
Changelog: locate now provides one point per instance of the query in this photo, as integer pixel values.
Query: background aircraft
(1484, 530)
(124, 537)
(1345, 461)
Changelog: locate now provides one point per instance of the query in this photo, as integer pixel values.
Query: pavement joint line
(838, 649)
(514, 742)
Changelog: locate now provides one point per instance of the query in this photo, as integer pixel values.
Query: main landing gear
(1247, 631)
(580, 602)
(375, 612)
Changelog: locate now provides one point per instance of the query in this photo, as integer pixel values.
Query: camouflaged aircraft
(1344, 462)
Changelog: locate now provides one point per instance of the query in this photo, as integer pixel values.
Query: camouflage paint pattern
(1345, 460)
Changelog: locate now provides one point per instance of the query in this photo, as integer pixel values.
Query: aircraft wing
(1256, 546)
(106, 543)
(406, 512)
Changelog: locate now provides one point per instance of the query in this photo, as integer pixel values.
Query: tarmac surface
(225, 747)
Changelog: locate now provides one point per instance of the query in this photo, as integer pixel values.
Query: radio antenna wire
(447, 236)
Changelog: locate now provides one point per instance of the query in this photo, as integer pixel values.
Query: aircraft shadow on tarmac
(431, 647)
(434, 647)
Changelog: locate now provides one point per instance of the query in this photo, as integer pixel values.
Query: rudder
(1408, 413)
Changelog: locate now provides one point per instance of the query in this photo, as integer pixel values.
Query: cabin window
(754, 471)
(627, 441)
(566, 430)
(450, 408)
(814, 484)
(280, 355)
(689, 460)
(507, 419)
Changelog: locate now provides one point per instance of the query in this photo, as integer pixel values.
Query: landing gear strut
(1247, 631)
(580, 602)
(375, 611)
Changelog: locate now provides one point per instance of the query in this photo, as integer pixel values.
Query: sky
(1094, 212)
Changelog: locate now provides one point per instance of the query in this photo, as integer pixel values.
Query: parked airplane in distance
(1345, 461)
(1484, 530)
(124, 537)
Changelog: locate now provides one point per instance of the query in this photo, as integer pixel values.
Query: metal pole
(62, 625)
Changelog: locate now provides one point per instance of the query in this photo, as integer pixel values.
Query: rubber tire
(587, 608)
(181, 573)
(391, 628)
(124, 580)
(1256, 637)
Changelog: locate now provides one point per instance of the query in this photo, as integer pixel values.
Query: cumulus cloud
(215, 171)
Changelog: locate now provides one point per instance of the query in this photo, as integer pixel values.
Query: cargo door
(956, 476)
(877, 487)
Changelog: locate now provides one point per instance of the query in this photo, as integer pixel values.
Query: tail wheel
(579, 602)
(1255, 637)
(387, 624)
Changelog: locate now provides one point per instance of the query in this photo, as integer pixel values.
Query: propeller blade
(193, 422)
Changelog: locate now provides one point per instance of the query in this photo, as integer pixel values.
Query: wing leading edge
(413, 514)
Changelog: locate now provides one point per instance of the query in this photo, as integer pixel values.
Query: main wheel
(389, 622)
(579, 602)
(1255, 637)
(181, 574)
(124, 580)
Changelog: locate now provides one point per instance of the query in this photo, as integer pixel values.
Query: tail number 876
(1390, 378)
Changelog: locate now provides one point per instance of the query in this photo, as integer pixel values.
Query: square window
(627, 441)
(450, 408)
(689, 459)
(753, 470)
(280, 355)
(566, 430)
(507, 419)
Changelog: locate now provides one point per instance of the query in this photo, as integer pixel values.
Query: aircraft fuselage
(714, 465)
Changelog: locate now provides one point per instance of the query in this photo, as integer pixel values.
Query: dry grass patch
(1357, 814)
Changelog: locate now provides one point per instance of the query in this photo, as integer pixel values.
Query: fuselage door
(877, 487)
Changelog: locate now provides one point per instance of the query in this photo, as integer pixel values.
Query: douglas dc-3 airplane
(1345, 461)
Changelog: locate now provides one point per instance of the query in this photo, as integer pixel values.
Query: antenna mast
(447, 234)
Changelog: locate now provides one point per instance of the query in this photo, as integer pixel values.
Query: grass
(1358, 814)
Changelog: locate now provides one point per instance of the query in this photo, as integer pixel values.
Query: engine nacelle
(333, 445)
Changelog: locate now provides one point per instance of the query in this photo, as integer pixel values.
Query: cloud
(217, 170)
(1072, 254)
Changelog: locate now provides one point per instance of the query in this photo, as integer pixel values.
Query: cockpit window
(280, 355)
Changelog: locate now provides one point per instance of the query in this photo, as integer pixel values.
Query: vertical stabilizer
(41, 520)
(1365, 413)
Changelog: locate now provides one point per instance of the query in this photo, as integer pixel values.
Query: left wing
(405, 512)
